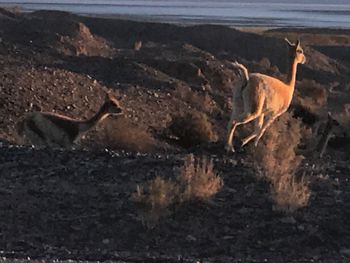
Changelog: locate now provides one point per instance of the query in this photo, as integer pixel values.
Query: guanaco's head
(296, 52)
(112, 105)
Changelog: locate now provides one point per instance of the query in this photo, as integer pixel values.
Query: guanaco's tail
(243, 73)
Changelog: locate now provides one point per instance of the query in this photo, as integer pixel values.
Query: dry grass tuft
(122, 134)
(198, 179)
(158, 193)
(290, 193)
(192, 129)
(154, 198)
(278, 162)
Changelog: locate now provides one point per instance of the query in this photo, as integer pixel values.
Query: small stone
(243, 210)
(228, 237)
(301, 227)
(345, 251)
(105, 241)
(231, 190)
(288, 220)
(191, 238)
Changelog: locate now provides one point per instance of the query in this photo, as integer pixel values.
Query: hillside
(76, 204)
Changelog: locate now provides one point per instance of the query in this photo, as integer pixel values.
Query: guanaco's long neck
(99, 116)
(292, 74)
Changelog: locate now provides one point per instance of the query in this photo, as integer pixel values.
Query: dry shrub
(341, 138)
(290, 193)
(343, 117)
(154, 198)
(198, 179)
(157, 194)
(265, 63)
(192, 129)
(264, 66)
(278, 146)
(278, 163)
(122, 134)
(201, 102)
(311, 95)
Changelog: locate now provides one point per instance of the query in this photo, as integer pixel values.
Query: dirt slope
(76, 204)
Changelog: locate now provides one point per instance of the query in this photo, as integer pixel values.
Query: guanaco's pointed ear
(288, 42)
(298, 43)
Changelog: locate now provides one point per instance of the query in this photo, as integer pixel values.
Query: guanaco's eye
(299, 51)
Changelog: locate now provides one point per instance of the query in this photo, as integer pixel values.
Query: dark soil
(75, 204)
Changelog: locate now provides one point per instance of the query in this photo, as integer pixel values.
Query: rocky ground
(75, 204)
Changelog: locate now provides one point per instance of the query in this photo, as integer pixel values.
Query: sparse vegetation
(158, 193)
(270, 155)
(122, 134)
(344, 117)
(341, 138)
(278, 163)
(154, 198)
(290, 193)
(265, 63)
(192, 129)
(201, 102)
(197, 181)
(311, 95)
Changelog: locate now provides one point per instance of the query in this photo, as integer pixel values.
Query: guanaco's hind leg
(267, 122)
(246, 117)
(31, 133)
(258, 124)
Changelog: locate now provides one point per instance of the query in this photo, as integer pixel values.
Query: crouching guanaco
(262, 98)
(54, 130)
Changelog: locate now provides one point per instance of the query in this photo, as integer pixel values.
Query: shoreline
(241, 20)
(240, 24)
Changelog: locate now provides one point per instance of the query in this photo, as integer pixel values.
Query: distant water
(289, 13)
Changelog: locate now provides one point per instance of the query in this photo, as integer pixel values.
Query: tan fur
(55, 130)
(263, 99)
(137, 45)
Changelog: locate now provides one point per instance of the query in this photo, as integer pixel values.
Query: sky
(131, 1)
